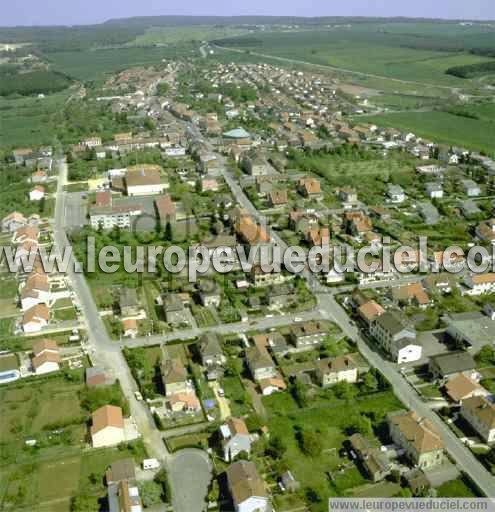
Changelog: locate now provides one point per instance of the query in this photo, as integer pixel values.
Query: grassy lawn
(330, 420)
(29, 121)
(28, 410)
(459, 488)
(187, 441)
(477, 134)
(240, 403)
(430, 391)
(48, 485)
(65, 314)
(8, 287)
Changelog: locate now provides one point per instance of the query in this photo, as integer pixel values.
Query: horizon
(58, 13)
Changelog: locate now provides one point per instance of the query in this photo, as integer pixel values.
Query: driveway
(223, 402)
(190, 474)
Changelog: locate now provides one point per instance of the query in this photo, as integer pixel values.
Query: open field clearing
(476, 134)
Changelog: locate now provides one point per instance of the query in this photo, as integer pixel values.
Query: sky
(72, 12)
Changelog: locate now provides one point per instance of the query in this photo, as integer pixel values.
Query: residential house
(396, 194)
(330, 371)
(46, 357)
(128, 302)
(246, 487)
(123, 469)
(175, 311)
(479, 412)
(434, 190)
(165, 209)
(418, 437)
(394, 334)
(430, 170)
(37, 193)
(210, 351)
(39, 176)
(375, 462)
(260, 363)
(235, 438)
(444, 366)
(272, 385)
(479, 284)
(357, 223)
(255, 165)
(130, 327)
(470, 188)
(369, 311)
(13, 221)
(412, 293)
(273, 341)
(348, 195)
(210, 294)
(429, 213)
(184, 402)
(107, 427)
(124, 497)
(36, 290)
(278, 198)
(486, 230)
(460, 387)
(174, 377)
(309, 187)
(260, 278)
(35, 318)
(307, 335)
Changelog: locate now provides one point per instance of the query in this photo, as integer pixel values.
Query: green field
(94, 64)
(29, 121)
(171, 35)
(476, 134)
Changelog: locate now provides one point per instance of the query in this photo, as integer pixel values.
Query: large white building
(144, 182)
(396, 337)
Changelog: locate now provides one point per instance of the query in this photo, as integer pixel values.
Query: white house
(46, 357)
(396, 194)
(35, 318)
(235, 438)
(434, 190)
(37, 194)
(479, 284)
(107, 427)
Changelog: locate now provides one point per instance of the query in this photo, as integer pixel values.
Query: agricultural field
(475, 134)
(29, 121)
(93, 64)
(172, 35)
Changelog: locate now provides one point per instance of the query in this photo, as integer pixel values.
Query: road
(238, 327)
(108, 354)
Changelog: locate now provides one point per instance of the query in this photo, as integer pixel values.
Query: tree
(276, 447)
(300, 393)
(150, 492)
(486, 356)
(345, 391)
(361, 424)
(162, 478)
(370, 382)
(168, 234)
(310, 443)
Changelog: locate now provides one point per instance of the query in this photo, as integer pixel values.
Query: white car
(138, 395)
